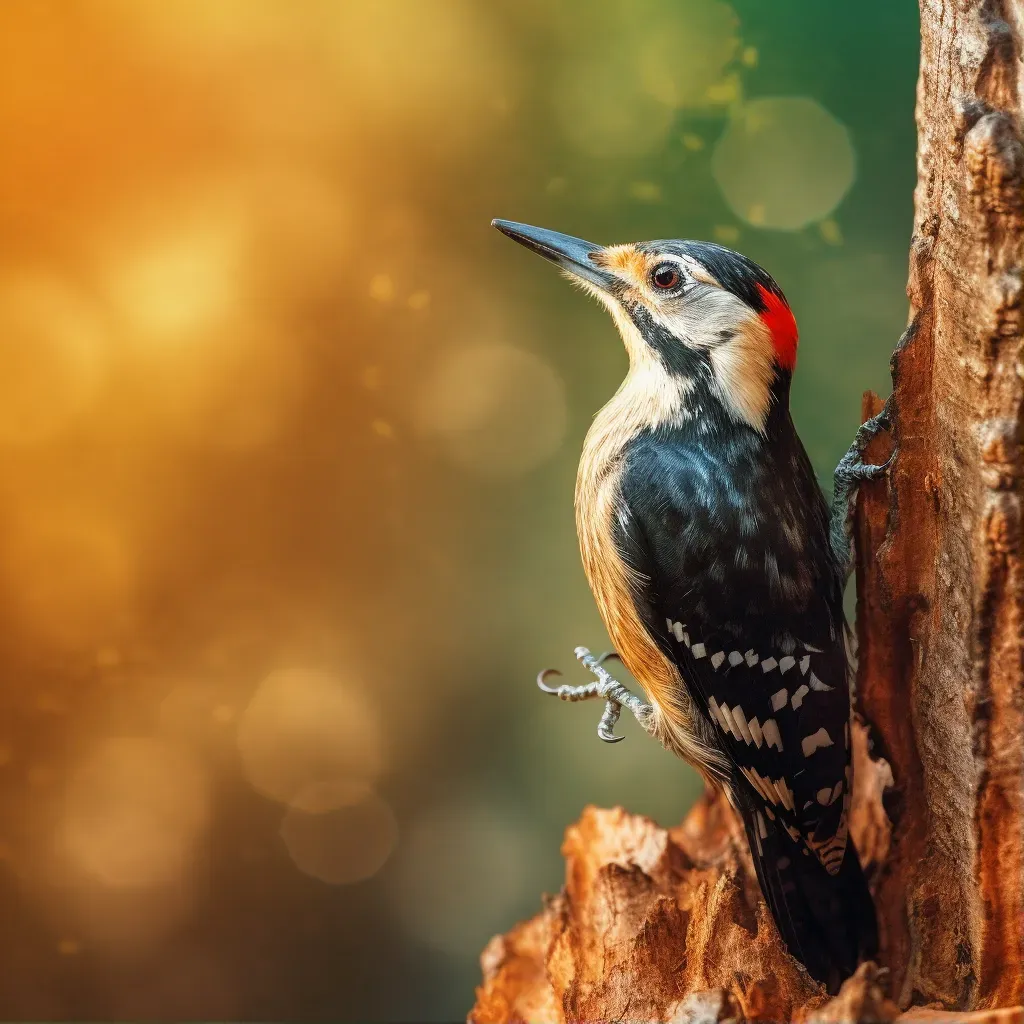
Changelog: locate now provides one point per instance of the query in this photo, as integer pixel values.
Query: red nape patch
(779, 318)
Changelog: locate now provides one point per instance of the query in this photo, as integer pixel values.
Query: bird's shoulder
(736, 519)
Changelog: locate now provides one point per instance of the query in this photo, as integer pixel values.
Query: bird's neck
(648, 398)
(685, 401)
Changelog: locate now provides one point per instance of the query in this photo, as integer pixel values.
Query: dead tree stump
(659, 925)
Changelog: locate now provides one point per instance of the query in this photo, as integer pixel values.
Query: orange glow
(72, 573)
(134, 811)
(309, 741)
(53, 348)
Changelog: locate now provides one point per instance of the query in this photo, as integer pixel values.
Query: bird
(718, 568)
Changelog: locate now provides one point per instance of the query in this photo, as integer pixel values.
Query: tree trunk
(668, 925)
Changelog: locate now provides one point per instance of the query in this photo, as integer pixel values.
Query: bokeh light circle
(498, 410)
(133, 813)
(309, 741)
(783, 162)
(342, 846)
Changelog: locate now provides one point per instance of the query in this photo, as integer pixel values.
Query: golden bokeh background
(287, 445)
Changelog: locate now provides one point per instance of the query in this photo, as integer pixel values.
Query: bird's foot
(851, 472)
(605, 687)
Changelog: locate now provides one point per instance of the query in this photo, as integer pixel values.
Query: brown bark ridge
(941, 589)
(668, 925)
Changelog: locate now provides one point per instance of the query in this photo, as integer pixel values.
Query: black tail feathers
(827, 921)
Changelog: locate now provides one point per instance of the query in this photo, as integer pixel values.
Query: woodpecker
(719, 571)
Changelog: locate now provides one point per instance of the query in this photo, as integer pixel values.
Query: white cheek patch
(738, 342)
(702, 318)
(705, 317)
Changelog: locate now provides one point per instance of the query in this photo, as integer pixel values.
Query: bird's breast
(602, 517)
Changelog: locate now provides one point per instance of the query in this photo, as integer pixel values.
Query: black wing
(781, 706)
(827, 921)
(741, 594)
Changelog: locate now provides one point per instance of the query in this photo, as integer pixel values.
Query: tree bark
(941, 627)
(669, 925)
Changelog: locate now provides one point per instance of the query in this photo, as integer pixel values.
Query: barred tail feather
(827, 921)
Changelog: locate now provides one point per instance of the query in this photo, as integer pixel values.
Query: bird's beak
(571, 254)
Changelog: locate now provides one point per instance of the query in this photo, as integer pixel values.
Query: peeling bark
(669, 925)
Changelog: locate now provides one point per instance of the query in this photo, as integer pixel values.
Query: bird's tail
(827, 921)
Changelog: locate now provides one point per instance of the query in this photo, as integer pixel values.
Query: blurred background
(288, 437)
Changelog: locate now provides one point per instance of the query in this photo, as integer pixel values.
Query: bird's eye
(666, 276)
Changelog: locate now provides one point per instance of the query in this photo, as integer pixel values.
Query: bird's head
(686, 310)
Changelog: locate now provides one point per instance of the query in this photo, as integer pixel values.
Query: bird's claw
(606, 727)
(862, 471)
(851, 472)
(612, 708)
(604, 686)
(883, 470)
(542, 678)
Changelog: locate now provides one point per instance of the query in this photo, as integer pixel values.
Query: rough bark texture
(941, 632)
(668, 926)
